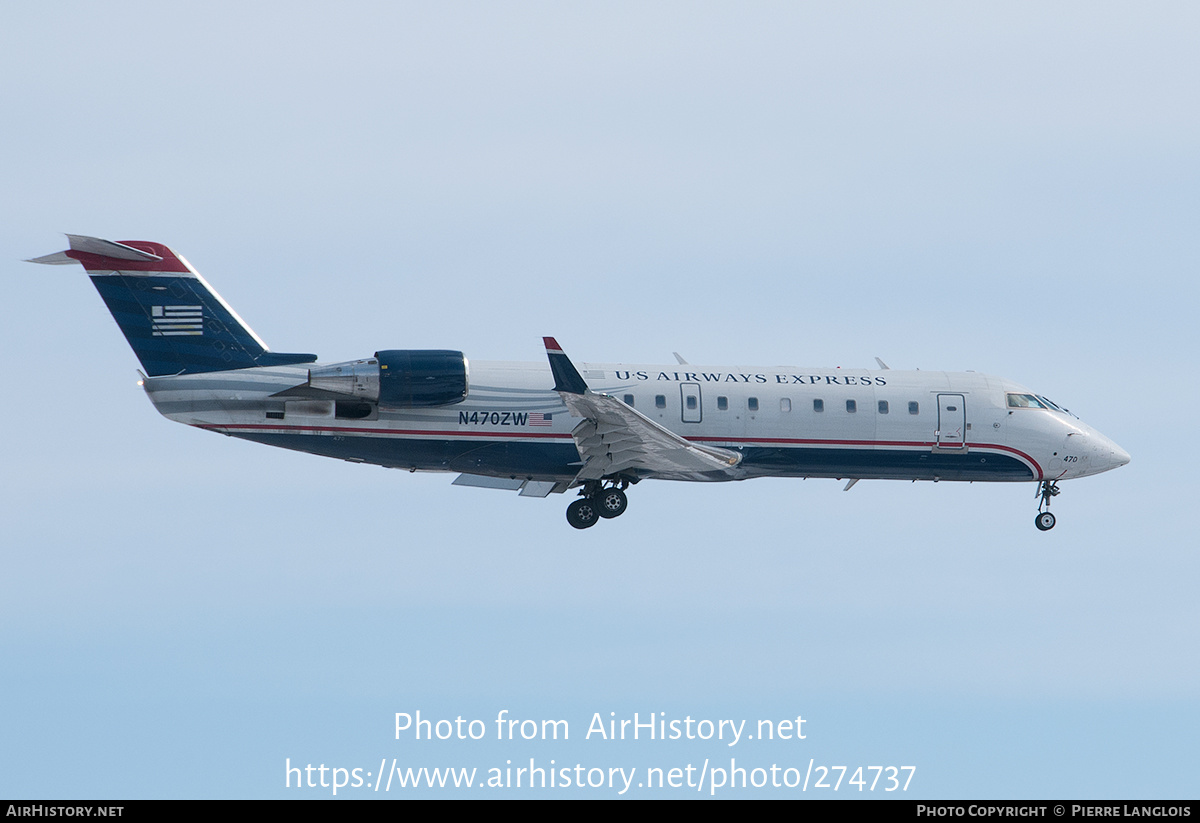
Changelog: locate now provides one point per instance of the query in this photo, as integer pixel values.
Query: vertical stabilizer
(172, 318)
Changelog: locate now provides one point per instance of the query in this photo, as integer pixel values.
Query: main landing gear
(597, 501)
(1046, 490)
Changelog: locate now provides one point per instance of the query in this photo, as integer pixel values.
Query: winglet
(566, 376)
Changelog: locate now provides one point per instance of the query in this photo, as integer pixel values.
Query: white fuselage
(784, 421)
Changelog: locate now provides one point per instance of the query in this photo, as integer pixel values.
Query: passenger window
(752, 404)
(851, 406)
(785, 404)
(914, 407)
(818, 405)
(883, 407)
(660, 401)
(691, 401)
(629, 400)
(722, 403)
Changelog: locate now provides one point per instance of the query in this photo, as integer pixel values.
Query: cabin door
(952, 422)
(690, 395)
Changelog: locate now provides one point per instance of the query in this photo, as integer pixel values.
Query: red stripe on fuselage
(442, 435)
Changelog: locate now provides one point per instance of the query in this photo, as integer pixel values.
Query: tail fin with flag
(172, 318)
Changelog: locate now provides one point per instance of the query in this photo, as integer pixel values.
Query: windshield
(1025, 401)
(1017, 400)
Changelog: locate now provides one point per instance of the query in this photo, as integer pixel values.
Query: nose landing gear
(597, 501)
(1044, 519)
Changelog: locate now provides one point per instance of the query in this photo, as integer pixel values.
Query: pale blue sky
(1007, 187)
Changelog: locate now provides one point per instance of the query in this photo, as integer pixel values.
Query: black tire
(611, 503)
(583, 513)
(1044, 521)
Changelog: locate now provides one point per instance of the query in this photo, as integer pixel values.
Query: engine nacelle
(411, 378)
(400, 378)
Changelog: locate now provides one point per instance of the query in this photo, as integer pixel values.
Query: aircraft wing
(613, 437)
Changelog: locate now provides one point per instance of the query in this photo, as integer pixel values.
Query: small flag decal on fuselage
(170, 321)
(539, 419)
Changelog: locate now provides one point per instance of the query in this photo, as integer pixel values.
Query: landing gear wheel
(1044, 521)
(583, 513)
(611, 503)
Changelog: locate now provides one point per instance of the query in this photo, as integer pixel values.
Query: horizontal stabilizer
(108, 248)
(59, 258)
(95, 246)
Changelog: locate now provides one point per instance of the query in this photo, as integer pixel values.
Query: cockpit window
(1025, 401)
(1055, 406)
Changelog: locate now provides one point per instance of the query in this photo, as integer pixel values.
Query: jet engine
(397, 378)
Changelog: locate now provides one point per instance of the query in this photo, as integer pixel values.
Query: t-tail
(172, 318)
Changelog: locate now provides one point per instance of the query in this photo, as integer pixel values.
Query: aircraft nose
(1108, 454)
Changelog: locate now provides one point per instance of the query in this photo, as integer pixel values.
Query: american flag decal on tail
(171, 321)
(539, 419)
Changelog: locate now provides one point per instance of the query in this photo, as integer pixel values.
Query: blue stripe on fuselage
(561, 459)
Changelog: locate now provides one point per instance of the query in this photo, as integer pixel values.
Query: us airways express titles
(594, 428)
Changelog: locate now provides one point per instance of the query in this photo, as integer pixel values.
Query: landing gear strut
(1046, 490)
(598, 501)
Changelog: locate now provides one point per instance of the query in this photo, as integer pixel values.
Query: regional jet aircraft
(598, 428)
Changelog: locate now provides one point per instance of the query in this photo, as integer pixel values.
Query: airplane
(598, 428)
